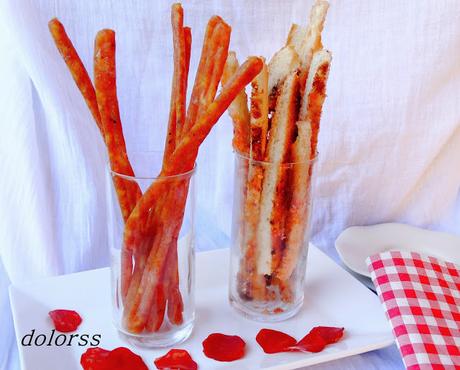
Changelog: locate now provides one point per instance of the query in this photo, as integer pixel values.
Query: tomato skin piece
(65, 321)
(330, 334)
(274, 341)
(318, 338)
(225, 348)
(312, 342)
(94, 359)
(178, 359)
(120, 358)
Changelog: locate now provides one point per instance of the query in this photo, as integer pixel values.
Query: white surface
(389, 142)
(332, 298)
(357, 243)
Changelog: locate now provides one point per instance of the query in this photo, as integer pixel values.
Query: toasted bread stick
(202, 74)
(76, 68)
(312, 41)
(128, 192)
(221, 35)
(315, 93)
(281, 136)
(304, 149)
(296, 37)
(282, 64)
(238, 109)
(178, 88)
(180, 66)
(175, 301)
(175, 306)
(106, 94)
(254, 286)
(188, 48)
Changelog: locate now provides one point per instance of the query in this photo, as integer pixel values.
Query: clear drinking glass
(270, 236)
(152, 252)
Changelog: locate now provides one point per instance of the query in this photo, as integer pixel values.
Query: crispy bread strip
(180, 66)
(315, 93)
(281, 136)
(157, 314)
(171, 135)
(259, 115)
(297, 216)
(202, 75)
(106, 94)
(238, 109)
(283, 63)
(76, 68)
(252, 285)
(303, 150)
(312, 41)
(220, 43)
(128, 192)
(175, 302)
(188, 48)
(296, 37)
(178, 88)
(168, 288)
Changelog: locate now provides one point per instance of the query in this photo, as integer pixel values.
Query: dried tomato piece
(65, 321)
(177, 359)
(330, 334)
(122, 358)
(312, 342)
(274, 341)
(94, 359)
(221, 347)
(318, 338)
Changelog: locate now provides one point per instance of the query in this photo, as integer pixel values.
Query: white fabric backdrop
(389, 144)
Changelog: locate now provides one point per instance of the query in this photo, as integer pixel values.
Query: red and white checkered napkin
(421, 297)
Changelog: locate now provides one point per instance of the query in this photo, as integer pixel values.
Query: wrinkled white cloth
(389, 143)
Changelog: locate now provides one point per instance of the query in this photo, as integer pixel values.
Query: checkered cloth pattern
(421, 297)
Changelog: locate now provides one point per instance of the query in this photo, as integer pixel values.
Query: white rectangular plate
(333, 298)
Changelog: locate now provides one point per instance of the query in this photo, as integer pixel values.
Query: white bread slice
(281, 132)
(259, 114)
(238, 109)
(296, 37)
(283, 63)
(297, 214)
(312, 41)
(303, 149)
(315, 87)
(253, 285)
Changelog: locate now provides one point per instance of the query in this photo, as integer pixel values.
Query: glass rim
(267, 163)
(185, 174)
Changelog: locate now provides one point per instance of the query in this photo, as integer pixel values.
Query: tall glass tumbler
(270, 237)
(151, 235)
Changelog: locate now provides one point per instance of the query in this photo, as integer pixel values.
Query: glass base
(265, 312)
(157, 340)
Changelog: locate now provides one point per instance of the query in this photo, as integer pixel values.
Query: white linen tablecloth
(389, 144)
